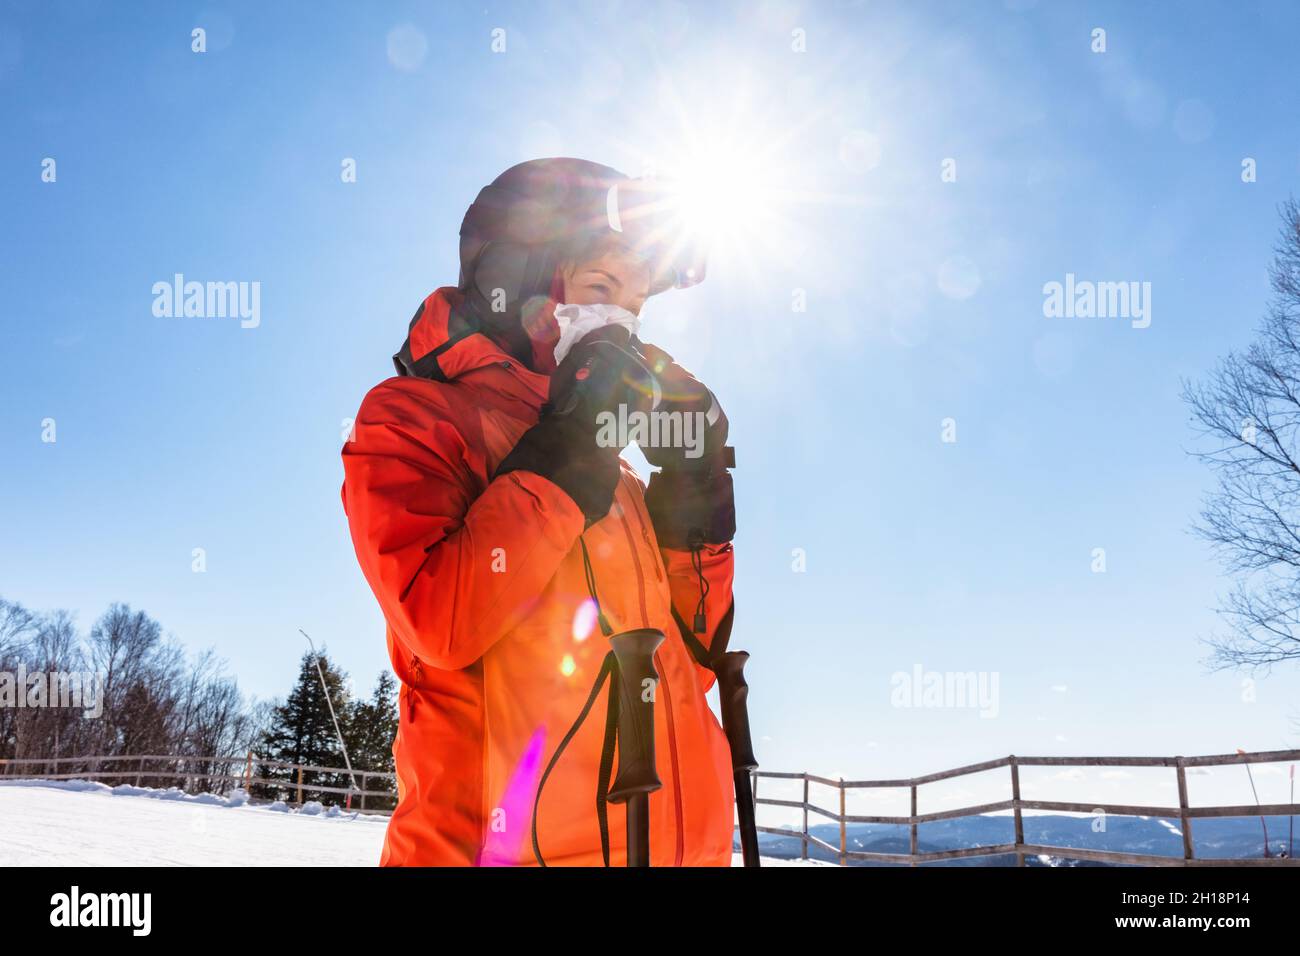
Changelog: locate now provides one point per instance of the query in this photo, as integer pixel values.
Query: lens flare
(584, 620)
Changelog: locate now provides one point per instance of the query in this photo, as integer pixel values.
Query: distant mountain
(1220, 838)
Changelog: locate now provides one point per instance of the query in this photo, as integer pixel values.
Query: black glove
(576, 442)
(683, 393)
(692, 500)
(691, 507)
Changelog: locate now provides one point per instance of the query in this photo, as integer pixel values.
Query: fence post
(912, 862)
(1015, 802)
(299, 784)
(1184, 821)
(248, 775)
(805, 815)
(139, 771)
(843, 835)
(365, 785)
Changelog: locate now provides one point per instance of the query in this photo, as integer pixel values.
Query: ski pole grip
(733, 693)
(638, 682)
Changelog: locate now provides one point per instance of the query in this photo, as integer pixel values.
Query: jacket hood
(446, 338)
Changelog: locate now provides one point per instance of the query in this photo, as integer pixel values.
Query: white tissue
(575, 321)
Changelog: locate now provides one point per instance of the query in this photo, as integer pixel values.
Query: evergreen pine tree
(370, 736)
(301, 731)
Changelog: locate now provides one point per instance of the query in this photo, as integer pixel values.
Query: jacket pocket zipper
(417, 675)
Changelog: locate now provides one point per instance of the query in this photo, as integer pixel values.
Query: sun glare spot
(584, 619)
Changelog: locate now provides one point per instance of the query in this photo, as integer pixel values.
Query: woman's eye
(601, 288)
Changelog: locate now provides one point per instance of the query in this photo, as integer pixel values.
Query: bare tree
(17, 625)
(1248, 413)
(215, 716)
(51, 731)
(155, 699)
(141, 672)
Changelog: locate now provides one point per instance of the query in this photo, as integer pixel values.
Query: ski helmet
(539, 214)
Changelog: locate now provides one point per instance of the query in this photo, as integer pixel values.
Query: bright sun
(724, 198)
(729, 166)
(721, 194)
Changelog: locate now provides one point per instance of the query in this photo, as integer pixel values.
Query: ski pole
(326, 691)
(637, 778)
(732, 694)
(1262, 823)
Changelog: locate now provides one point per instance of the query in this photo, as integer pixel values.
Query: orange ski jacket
(492, 632)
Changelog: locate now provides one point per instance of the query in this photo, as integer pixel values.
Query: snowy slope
(77, 823)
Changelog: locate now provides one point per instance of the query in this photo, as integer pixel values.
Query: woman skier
(505, 538)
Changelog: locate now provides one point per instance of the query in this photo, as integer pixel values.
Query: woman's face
(612, 276)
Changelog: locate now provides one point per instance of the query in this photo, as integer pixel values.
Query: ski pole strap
(590, 576)
(607, 759)
(607, 668)
(705, 656)
(700, 625)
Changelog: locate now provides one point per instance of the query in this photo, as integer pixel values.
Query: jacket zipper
(663, 679)
(417, 674)
(636, 564)
(659, 574)
(672, 749)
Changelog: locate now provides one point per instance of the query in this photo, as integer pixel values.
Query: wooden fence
(214, 774)
(1184, 813)
(207, 774)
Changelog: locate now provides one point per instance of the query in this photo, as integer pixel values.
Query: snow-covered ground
(78, 823)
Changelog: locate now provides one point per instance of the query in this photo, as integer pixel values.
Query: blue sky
(924, 302)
